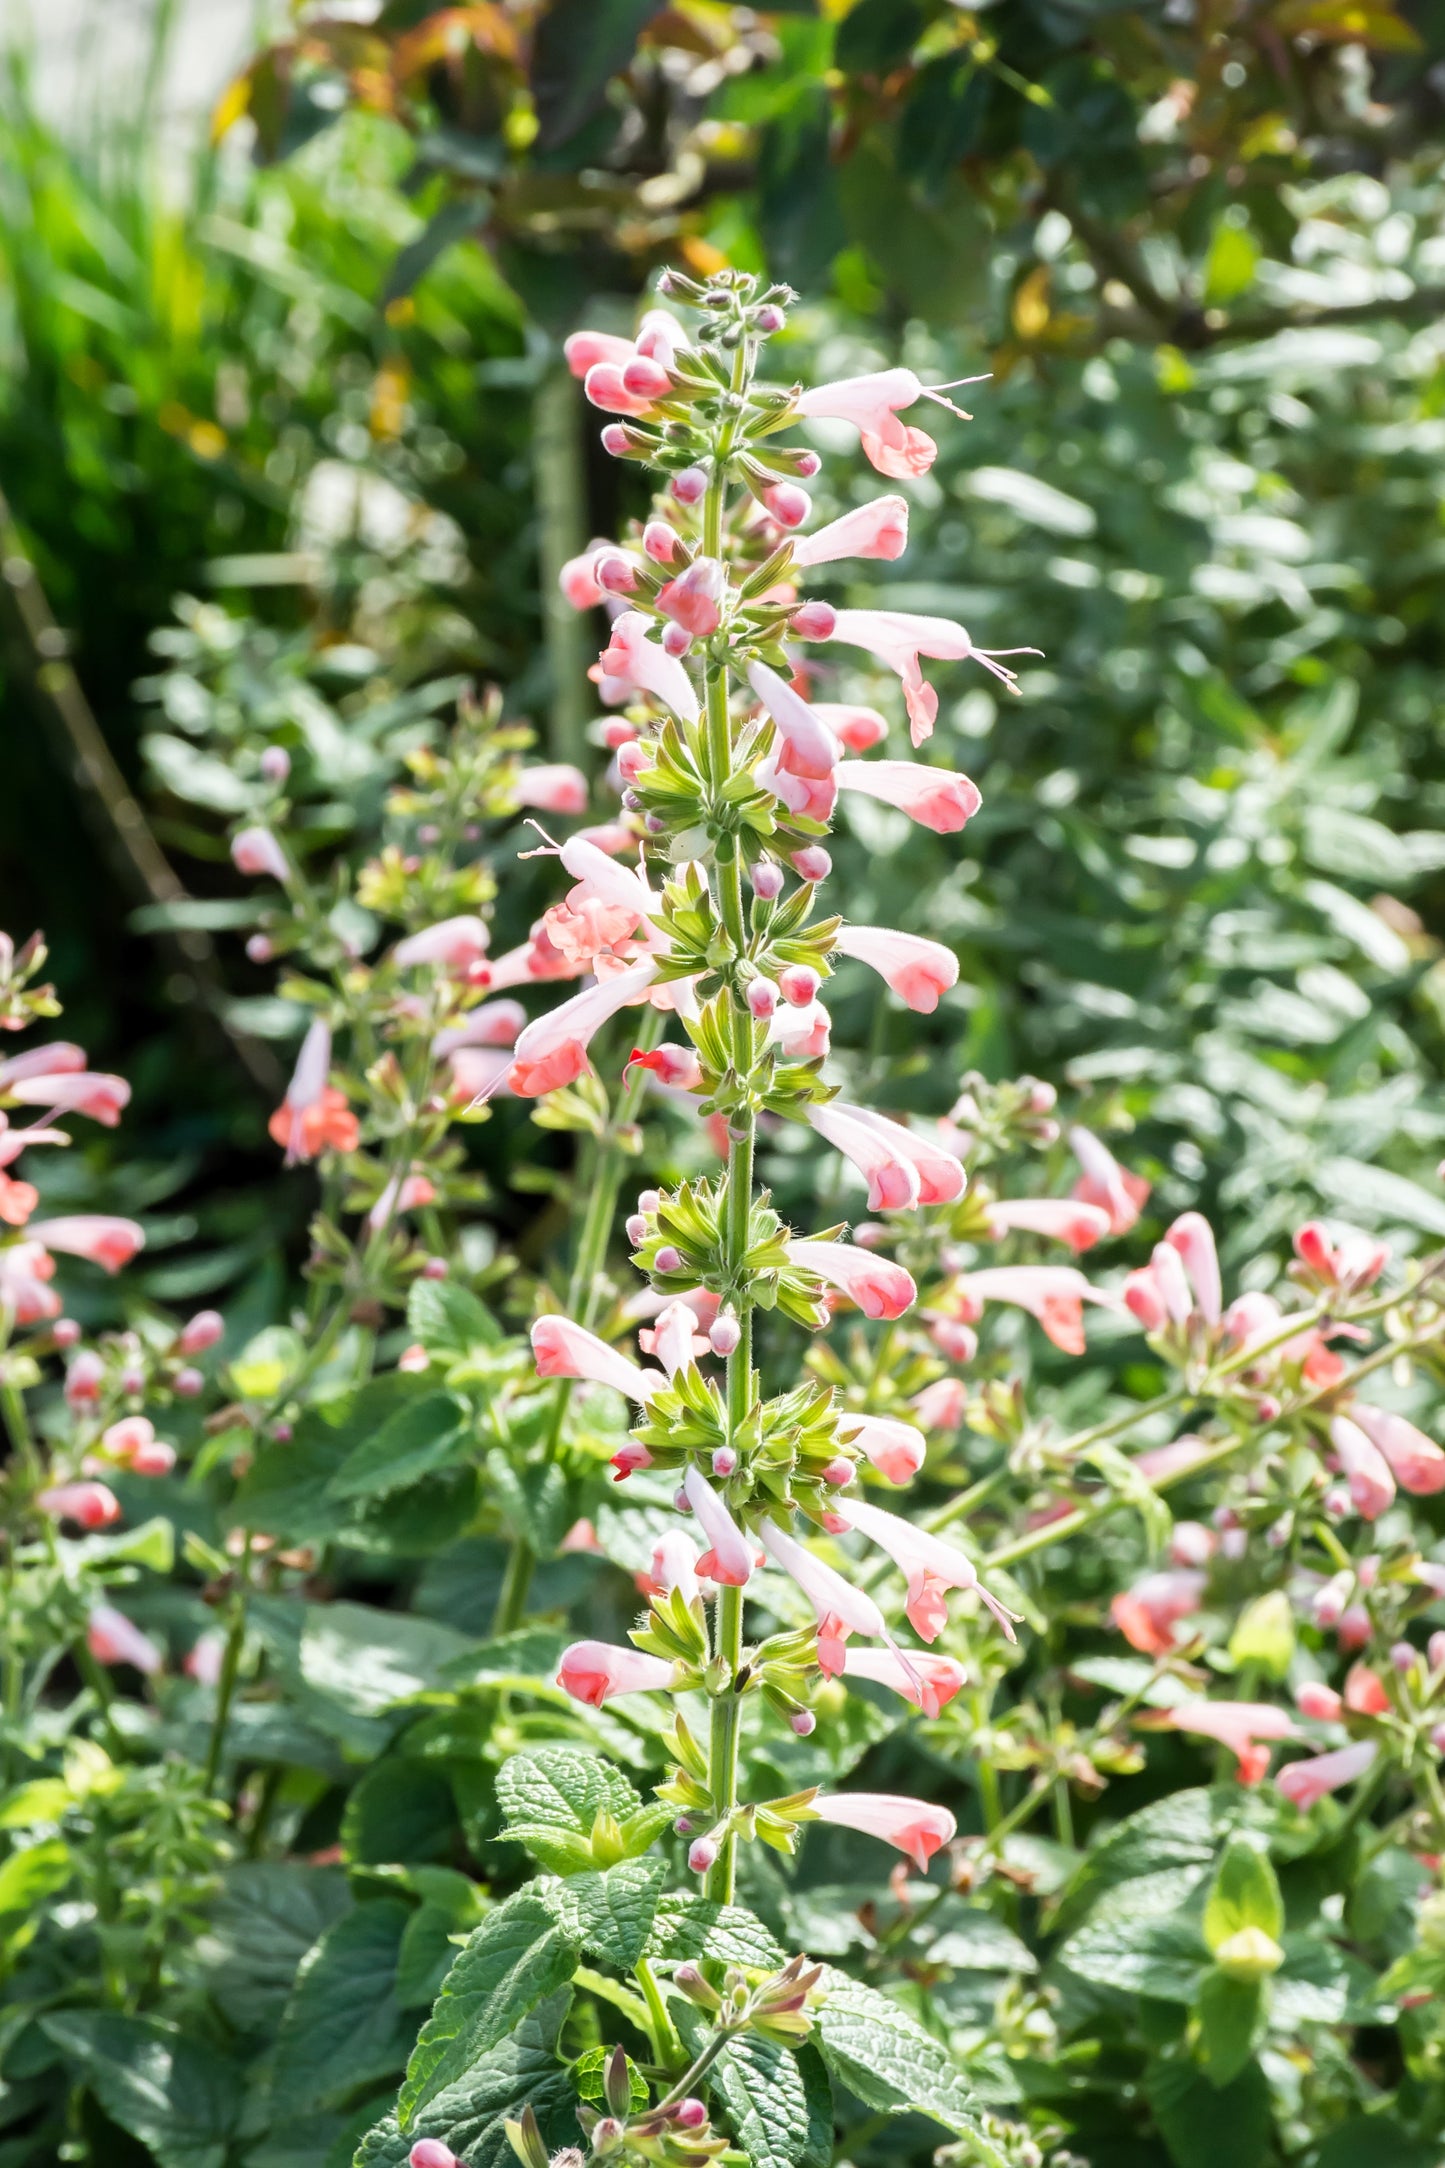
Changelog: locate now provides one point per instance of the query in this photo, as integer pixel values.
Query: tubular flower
(1062, 1219)
(674, 1565)
(941, 1179)
(594, 1672)
(937, 798)
(691, 600)
(932, 1567)
(578, 577)
(457, 944)
(93, 1505)
(584, 349)
(898, 638)
(1372, 1486)
(1244, 1727)
(60, 1058)
(839, 1607)
(314, 1117)
(908, 1824)
(812, 748)
(895, 1449)
(1415, 1461)
(565, 1350)
(878, 1286)
(929, 1682)
(72, 1091)
(1193, 1238)
(1052, 1294)
(858, 728)
(553, 787)
(674, 1065)
(640, 664)
(1355, 1261)
(552, 1051)
(915, 969)
(1105, 1183)
(801, 1034)
(25, 1268)
(674, 1339)
(872, 404)
(1149, 1613)
(113, 1639)
(105, 1241)
(495, 1023)
(1303, 1783)
(878, 529)
(255, 850)
(729, 1557)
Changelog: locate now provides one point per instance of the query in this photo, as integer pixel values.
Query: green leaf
(610, 1914)
(1131, 1952)
(401, 1812)
(1245, 1894)
(687, 1928)
(1230, 2018)
(1264, 1634)
(513, 1960)
(268, 1915)
(578, 47)
(151, 1544)
(766, 2099)
(879, 2052)
(528, 1657)
(1204, 2125)
(430, 1433)
(34, 1873)
(469, 2116)
(368, 1660)
(562, 1789)
(1185, 1829)
(343, 2027)
(179, 2097)
(449, 1319)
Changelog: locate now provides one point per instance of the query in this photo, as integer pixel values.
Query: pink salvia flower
(60, 1058)
(895, 1449)
(839, 1607)
(553, 787)
(91, 1504)
(899, 637)
(1355, 1261)
(1052, 1294)
(692, 599)
(113, 1639)
(907, 1824)
(306, 1090)
(878, 1286)
(675, 1339)
(640, 663)
(915, 969)
(932, 1567)
(255, 850)
(872, 404)
(1372, 1486)
(1148, 1613)
(929, 1682)
(1319, 1702)
(1105, 1183)
(98, 1236)
(674, 1565)
(858, 728)
(1163, 1462)
(937, 798)
(1062, 1219)
(878, 530)
(552, 1051)
(1166, 1266)
(812, 749)
(583, 350)
(1416, 1462)
(455, 943)
(594, 1671)
(25, 1268)
(729, 1558)
(893, 1184)
(495, 1023)
(1242, 1726)
(1303, 1783)
(578, 577)
(802, 1034)
(941, 1177)
(75, 1091)
(565, 1350)
(1193, 1237)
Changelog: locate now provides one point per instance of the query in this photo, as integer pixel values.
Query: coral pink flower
(403, 1193)
(91, 1504)
(898, 638)
(878, 1286)
(857, 728)
(640, 664)
(255, 850)
(594, 1671)
(674, 1566)
(941, 1178)
(314, 1117)
(75, 1091)
(1105, 1183)
(553, 787)
(1355, 1261)
(1148, 1613)
(583, 350)
(1365, 1692)
(929, 1682)
(931, 1565)
(552, 1051)
(895, 1449)
(1372, 1486)
(691, 600)
(937, 798)
(1193, 1237)
(1416, 1462)
(879, 529)
(578, 577)
(1242, 1726)
(1314, 1699)
(495, 1023)
(941, 1405)
(1063, 1219)
(1303, 1783)
(25, 1268)
(1053, 1294)
(565, 1350)
(872, 404)
(915, 969)
(729, 1556)
(457, 944)
(801, 1034)
(908, 1824)
(17, 1200)
(839, 1607)
(674, 1065)
(94, 1235)
(605, 388)
(113, 1639)
(893, 1184)
(674, 1339)
(1144, 1299)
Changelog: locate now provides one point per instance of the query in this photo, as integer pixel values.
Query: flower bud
(676, 640)
(668, 1259)
(275, 764)
(788, 504)
(65, 1332)
(690, 2114)
(615, 440)
(1315, 1699)
(1336, 1503)
(681, 1500)
(689, 487)
(428, 834)
(631, 760)
(201, 1332)
(413, 1359)
(701, 1855)
(431, 2153)
(762, 998)
(282, 1433)
(769, 318)
(1437, 1738)
(435, 1268)
(724, 1333)
(646, 379)
(814, 621)
(616, 732)
(1403, 1656)
(812, 863)
(724, 1462)
(648, 1200)
(1435, 1650)
(259, 948)
(959, 1342)
(83, 1379)
(767, 879)
(803, 1722)
(798, 984)
(615, 575)
(659, 542)
(838, 1472)
(636, 1229)
(188, 1384)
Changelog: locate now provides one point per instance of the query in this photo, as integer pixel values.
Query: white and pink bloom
(552, 1051)
(692, 600)
(112, 1638)
(1054, 1295)
(873, 404)
(878, 530)
(26, 1268)
(1366, 1470)
(1415, 1461)
(856, 727)
(595, 1671)
(494, 1024)
(91, 1092)
(937, 798)
(1304, 1783)
(1105, 1183)
(729, 1557)
(256, 851)
(1192, 1237)
(640, 664)
(456, 944)
(553, 787)
(880, 1287)
(675, 1338)
(839, 1607)
(314, 1116)
(1245, 1727)
(916, 969)
(910, 1825)
(932, 1567)
(565, 1350)
(901, 1167)
(1149, 1614)
(1061, 1219)
(1354, 1261)
(898, 638)
(92, 1505)
(895, 1449)
(97, 1236)
(928, 1681)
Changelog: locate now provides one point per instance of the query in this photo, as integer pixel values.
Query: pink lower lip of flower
(671, 1064)
(1304, 1783)
(565, 1350)
(893, 1182)
(937, 798)
(908, 1824)
(1193, 1237)
(916, 969)
(858, 728)
(1239, 1725)
(110, 1243)
(92, 1505)
(729, 1558)
(552, 1051)
(941, 1177)
(553, 787)
(880, 1288)
(595, 1671)
(895, 1449)
(1372, 1486)
(929, 1682)
(1060, 1219)
(875, 530)
(113, 1639)
(1415, 1461)
(839, 1607)
(1053, 1294)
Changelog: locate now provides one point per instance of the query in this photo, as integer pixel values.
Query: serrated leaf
(517, 1957)
(1230, 2017)
(687, 1928)
(343, 2027)
(609, 1913)
(430, 1433)
(268, 1915)
(1245, 1894)
(449, 1319)
(1203, 2125)
(469, 2116)
(766, 2101)
(884, 2057)
(1162, 1956)
(368, 1660)
(179, 2097)
(563, 1789)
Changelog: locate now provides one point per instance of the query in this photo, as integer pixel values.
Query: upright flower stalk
(732, 774)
